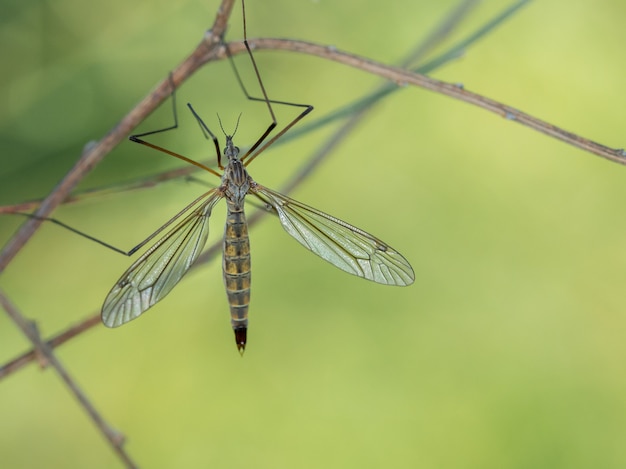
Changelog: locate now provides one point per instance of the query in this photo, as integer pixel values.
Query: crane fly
(162, 266)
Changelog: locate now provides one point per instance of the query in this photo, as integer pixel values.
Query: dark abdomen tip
(241, 334)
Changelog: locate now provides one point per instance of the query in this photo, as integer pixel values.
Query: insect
(162, 266)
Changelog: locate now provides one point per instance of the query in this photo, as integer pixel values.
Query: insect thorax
(235, 181)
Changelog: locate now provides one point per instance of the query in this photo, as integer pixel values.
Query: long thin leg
(252, 152)
(138, 138)
(110, 246)
(208, 134)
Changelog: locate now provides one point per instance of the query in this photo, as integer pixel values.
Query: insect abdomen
(236, 267)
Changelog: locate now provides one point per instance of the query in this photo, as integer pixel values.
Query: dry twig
(115, 439)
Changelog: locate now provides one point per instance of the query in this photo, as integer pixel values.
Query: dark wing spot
(123, 282)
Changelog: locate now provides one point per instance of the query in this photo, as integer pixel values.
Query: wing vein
(160, 268)
(345, 246)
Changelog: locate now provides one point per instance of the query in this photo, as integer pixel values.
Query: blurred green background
(508, 351)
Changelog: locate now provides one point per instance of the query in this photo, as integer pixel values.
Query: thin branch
(115, 439)
(405, 77)
(18, 362)
(99, 192)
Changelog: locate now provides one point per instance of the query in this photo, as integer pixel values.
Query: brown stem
(45, 353)
(406, 77)
(67, 334)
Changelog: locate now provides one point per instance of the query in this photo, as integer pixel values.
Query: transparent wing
(343, 245)
(160, 268)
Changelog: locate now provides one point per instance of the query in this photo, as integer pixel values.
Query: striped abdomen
(236, 267)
